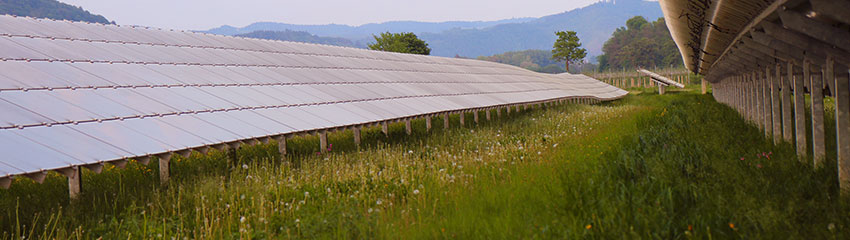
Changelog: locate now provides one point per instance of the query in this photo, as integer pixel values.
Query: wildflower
(831, 227)
(379, 201)
(759, 165)
(297, 220)
(242, 197)
(742, 158)
(306, 194)
(410, 151)
(690, 227)
(370, 210)
(415, 191)
(588, 226)
(732, 225)
(242, 219)
(244, 166)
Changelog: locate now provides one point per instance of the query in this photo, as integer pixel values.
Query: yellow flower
(732, 225)
(588, 226)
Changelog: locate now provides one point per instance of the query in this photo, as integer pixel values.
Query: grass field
(648, 166)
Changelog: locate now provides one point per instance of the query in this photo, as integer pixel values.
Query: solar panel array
(662, 79)
(76, 94)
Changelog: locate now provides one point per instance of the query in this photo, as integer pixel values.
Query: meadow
(647, 166)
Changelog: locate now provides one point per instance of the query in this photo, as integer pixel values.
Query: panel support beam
(428, 124)
(75, 183)
(818, 147)
(800, 111)
(281, 146)
(323, 141)
(407, 128)
(385, 128)
(766, 103)
(357, 138)
(445, 121)
(842, 126)
(164, 161)
(787, 129)
(775, 102)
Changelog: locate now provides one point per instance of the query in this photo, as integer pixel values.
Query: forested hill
(301, 36)
(49, 9)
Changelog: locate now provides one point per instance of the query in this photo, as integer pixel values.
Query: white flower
(379, 201)
(244, 166)
(242, 219)
(297, 220)
(415, 191)
(306, 194)
(242, 197)
(370, 210)
(410, 151)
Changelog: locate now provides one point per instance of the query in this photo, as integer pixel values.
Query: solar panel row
(77, 94)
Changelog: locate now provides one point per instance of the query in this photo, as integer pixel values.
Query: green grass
(646, 166)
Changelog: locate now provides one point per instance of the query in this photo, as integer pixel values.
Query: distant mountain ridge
(51, 9)
(594, 24)
(301, 36)
(362, 31)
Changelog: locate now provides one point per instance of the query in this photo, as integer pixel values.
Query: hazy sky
(205, 14)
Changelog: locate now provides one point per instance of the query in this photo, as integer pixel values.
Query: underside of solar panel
(77, 94)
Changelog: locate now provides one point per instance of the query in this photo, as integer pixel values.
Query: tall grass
(674, 166)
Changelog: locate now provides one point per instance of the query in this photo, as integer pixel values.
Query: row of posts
(74, 173)
(641, 81)
(773, 98)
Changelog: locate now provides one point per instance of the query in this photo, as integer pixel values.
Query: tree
(568, 48)
(640, 43)
(401, 43)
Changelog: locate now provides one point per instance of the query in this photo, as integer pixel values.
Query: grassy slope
(646, 166)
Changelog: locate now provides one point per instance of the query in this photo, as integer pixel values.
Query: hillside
(594, 24)
(49, 9)
(301, 36)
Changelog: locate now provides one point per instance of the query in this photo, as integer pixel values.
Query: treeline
(300, 36)
(640, 44)
(49, 9)
(534, 60)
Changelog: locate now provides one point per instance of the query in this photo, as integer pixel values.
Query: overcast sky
(205, 14)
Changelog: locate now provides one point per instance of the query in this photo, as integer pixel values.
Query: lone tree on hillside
(401, 43)
(568, 48)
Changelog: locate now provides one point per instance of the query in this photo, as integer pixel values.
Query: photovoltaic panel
(76, 94)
